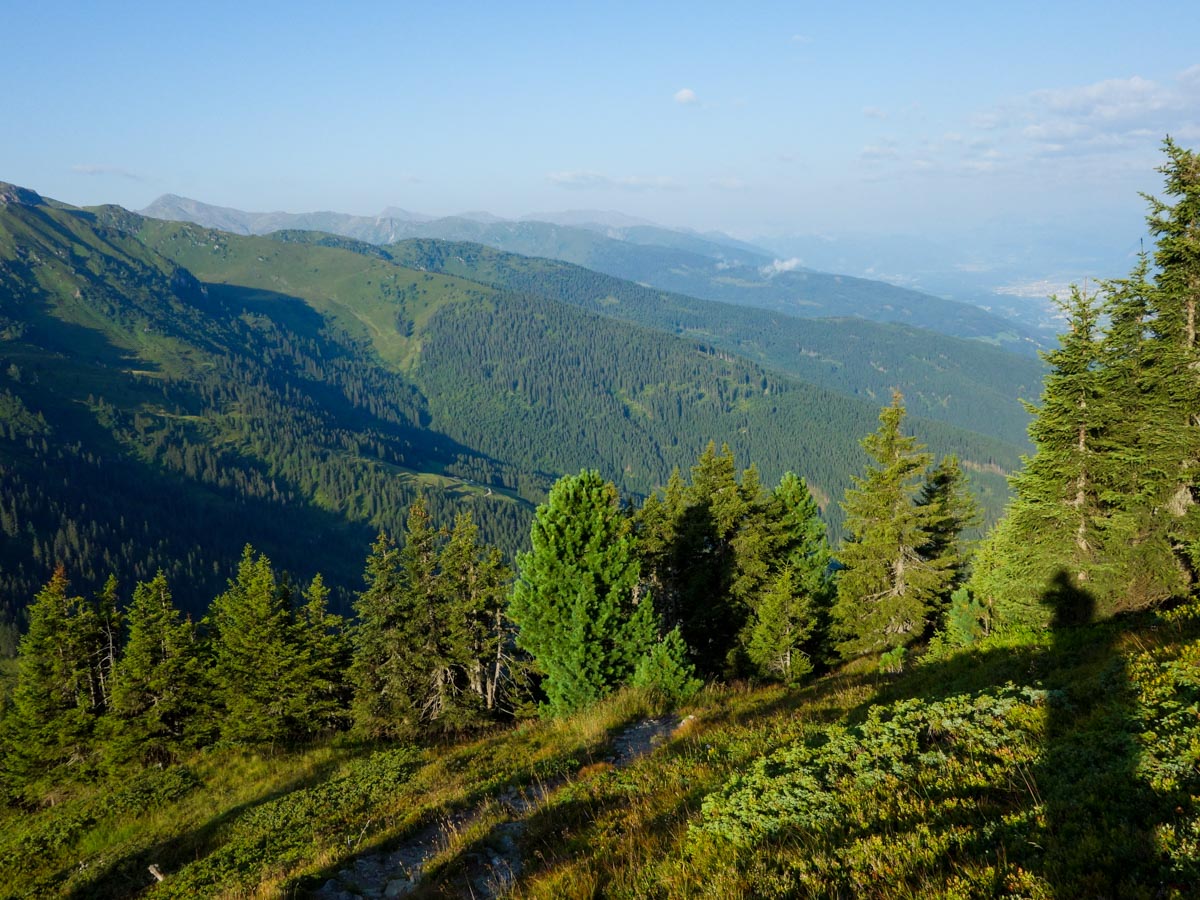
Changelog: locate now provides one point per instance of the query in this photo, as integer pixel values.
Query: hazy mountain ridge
(687, 264)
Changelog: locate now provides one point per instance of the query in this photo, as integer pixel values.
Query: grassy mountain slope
(690, 265)
(951, 380)
(1055, 764)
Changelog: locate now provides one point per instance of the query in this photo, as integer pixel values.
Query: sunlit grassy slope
(1044, 765)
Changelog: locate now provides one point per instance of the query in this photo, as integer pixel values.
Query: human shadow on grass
(1091, 828)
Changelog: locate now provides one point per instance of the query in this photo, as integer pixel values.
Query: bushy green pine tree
(576, 602)
(49, 727)
(887, 589)
(381, 705)
(261, 677)
(158, 683)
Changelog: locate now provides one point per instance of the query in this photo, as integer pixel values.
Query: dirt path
(397, 872)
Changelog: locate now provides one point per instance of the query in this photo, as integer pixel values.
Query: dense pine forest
(887, 707)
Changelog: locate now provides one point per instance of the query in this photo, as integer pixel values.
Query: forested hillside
(172, 392)
(948, 379)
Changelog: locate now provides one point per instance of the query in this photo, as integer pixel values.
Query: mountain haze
(679, 262)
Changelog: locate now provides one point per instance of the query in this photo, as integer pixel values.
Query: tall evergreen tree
(382, 705)
(952, 509)
(887, 589)
(259, 671)
(474, 585)
(790, 610)
(49, 726)
(576, 603)
(1055, 518)
(158, 682)
(322, 657)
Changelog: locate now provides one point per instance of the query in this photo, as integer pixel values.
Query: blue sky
(754, 118)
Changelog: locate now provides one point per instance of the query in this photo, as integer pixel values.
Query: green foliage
(855, 778)
(59, 694)
(575, 601)
(888, 588)
(430, 645)
(268, 684)
(158, 684)
(782, 626)
(966, 619)
(665, 671)
(1110, 495)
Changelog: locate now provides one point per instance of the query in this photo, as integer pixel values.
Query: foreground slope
(1051, 764)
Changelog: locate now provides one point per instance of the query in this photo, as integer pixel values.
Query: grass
(1033, 765)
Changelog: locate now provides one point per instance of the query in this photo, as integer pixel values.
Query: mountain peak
(11, 193)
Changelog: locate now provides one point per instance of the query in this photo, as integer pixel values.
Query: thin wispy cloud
(115, 171)
(874, 112)
(586, 180)
(729, 184)
(880, 151)
(685, 96)
(1104, 117)
(801, 39)
(779, 266)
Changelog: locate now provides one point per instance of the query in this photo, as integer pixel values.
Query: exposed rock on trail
(495, 868)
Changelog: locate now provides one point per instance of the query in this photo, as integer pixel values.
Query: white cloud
(116, 171)
(1105, 117)
(801, 39)
(874, 112)
(782, 265)
(685, 95)
(585, 180)
(729, 184)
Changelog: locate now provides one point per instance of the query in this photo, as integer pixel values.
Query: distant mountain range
(708, 267)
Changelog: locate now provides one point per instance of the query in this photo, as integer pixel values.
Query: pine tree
(1056, 520)
(259, 676)
(157, 683)
(576, 602)
(474, 586)
(887, 589)
(322, 656)
(951, 509)
(49, 726)
(381, 705)
(783, 624)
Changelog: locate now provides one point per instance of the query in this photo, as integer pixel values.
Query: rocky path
(397, 872)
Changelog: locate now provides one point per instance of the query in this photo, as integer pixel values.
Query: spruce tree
(474, 586)
(50, 723)
(158, 682)
(783, 624)
(576, 602)
(952, 509)
(259, 674)
(322, 657)
(381, 705)
(1056, 520)
(887, 589)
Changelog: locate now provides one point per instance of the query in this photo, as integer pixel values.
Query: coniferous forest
(613, 612)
